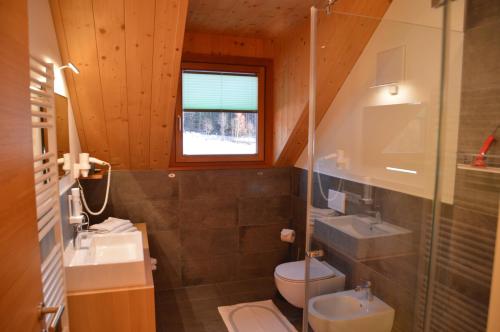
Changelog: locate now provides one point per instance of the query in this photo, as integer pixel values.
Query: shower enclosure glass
(394, 203)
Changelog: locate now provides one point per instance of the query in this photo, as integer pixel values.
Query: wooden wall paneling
(78, 23)
(139, 32)
(344, 37)
(18, 231)
(291, 83)
(68, 74)
(109, 18)
(170, 21)
(226, 45)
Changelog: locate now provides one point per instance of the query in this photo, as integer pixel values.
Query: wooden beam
(344, 36)
(170, 22)
(77, 21)
(109, 20)
(139, 31)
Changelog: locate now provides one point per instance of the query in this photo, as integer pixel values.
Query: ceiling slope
(128, 53)
(342, 37)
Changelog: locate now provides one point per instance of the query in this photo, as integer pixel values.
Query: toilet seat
(295, 271)
(290, 280)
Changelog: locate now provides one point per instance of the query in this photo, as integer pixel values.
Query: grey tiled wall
(204, 226)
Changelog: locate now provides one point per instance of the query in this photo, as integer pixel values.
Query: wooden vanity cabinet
(128, 309)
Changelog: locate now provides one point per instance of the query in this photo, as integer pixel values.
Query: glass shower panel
(378, 102)
(468, 186)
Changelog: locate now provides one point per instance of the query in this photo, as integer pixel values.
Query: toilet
(323, 279)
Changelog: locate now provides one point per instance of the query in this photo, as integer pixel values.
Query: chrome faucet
(76, 230)
(367, 288)
(79, 234)
(378, 217)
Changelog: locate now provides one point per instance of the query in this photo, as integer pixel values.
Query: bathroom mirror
(62, 127)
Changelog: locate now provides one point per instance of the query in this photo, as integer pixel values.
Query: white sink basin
(362, 237)
(361, 227)
(349, 311)
(109, 261)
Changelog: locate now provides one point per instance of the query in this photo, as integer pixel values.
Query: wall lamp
(72, 67)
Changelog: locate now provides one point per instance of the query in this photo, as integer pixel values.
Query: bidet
(349, 311)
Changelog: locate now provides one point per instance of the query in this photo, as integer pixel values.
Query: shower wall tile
(272, 182)
(209, 213)
(204, 243)
(159, 215)
(210, 184)
(141, 185)
(209, 270)
(482, 12)
(166, 248)
(264, 210)
(261, 238)
(480, 105)
(256, 265)
(204, 226)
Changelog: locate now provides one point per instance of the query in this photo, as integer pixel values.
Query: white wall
(43, 44)
(378, 130)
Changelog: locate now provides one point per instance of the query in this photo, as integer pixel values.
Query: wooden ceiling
(128, 53)
(264, 18)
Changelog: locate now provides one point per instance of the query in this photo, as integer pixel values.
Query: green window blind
(219, 91)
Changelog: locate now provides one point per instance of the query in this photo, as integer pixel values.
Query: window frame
(259, 67)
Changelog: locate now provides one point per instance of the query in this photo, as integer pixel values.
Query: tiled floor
(194, 309)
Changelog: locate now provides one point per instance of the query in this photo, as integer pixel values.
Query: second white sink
(362, 237)
(110, 261)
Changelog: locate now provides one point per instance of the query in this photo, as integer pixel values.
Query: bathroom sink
(363, 237)
(349, 311)
(106, 261)
(363, 227)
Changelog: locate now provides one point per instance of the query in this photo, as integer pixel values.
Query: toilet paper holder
(315, 253)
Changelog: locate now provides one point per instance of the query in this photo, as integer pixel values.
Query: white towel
(111, 224)
(124, 228)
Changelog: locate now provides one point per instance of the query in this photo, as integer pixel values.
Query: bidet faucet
(367, 287)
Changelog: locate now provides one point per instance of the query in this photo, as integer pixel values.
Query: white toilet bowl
(290, 280)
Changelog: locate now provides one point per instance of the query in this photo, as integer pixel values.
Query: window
(221, 115)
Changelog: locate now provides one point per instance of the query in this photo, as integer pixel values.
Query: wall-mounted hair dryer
(83, 167)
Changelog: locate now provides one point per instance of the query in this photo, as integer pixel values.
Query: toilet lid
(295, 271)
